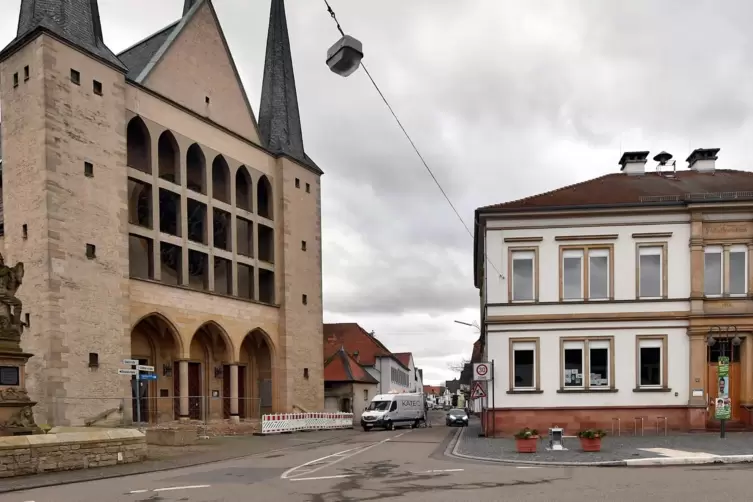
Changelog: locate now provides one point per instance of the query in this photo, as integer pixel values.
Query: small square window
(303, 245)
(75, 77)
(26, 73)
(306, 373)
(15, 80)
(297, 183)
(206, 99)
(25, 230)
(308, 188)
(305, 299)
(91, 251)
(93, 360)
(89, 169)
(97, 87)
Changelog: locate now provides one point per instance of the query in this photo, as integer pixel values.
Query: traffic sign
(481, 372)
(130, 362)
(478, 391)
(128, 371)
(143, 367)
(148, 376)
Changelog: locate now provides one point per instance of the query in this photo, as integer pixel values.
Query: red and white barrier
(278, 423)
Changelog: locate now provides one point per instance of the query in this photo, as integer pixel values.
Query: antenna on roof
(663, 159)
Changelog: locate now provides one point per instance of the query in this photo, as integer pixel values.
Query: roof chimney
(633, 163)
(703, 160)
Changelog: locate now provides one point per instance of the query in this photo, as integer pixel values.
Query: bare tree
(458, 366)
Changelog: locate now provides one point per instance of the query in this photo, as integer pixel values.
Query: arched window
(264, 199)
(138, 146)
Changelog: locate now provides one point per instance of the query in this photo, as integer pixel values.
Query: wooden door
(226, 391)
(243, 401)
(734, 389)
(194, 391)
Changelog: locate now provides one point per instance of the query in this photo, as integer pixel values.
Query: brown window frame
(664, 245)
(585, 248)
(511, 250)
(664, 339)
(536, 389)
(586, 387)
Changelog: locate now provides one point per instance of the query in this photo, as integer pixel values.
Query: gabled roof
(342, 367)
(141, 53)
(356, 341)
(404, 358)
(73, 21)
(432, 389)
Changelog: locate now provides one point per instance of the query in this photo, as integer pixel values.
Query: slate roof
(617, 189)
(74, 21)
(342, 367)
(355, 340)
(139, 55)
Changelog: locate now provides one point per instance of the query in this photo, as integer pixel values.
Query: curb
(452, 450)
(138, 472)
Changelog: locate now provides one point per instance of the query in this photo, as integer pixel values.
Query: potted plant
(526, 439)
(590, 439)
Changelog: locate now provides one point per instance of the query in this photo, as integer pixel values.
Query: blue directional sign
(148, 376)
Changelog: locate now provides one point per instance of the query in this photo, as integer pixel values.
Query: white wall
(624, 369)
(384, 366)
(678, 262)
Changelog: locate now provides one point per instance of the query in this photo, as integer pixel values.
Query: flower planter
(590, 444)
(527, 445)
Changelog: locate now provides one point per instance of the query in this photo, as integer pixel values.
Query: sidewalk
(631, 451)
(161, 458)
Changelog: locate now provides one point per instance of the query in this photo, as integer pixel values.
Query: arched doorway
(255, 370)
(210, 349)
(154, 342)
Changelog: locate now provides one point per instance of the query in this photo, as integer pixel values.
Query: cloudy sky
(504, 99)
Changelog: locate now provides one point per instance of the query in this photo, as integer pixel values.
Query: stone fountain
(16, 415)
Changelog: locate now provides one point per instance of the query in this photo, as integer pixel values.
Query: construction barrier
(278, 423)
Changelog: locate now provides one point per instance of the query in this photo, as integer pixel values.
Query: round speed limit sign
(482, 370)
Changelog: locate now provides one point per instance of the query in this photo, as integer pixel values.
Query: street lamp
(727, 337)
(473, 324)
(345, 56)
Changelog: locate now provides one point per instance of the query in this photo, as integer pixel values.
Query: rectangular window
(26, 73)
(15, 80)
(651, 362)
(75, 77)
(572, 274)
(97, 87)
(586, 364)
(650, 271)
(713, 271)
(88, 169)
(523, 365)
(523, 275)
(598, 274)
(738, 270)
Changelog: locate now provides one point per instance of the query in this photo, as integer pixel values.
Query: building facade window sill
(525, 391)
(586, 391)
(651, 389)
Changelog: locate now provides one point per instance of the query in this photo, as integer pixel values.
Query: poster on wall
(722, 407)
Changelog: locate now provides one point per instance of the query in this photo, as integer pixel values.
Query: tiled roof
(622, 189)
(356, 341)
(341, 367)
(75, 21)
(404, 358)
(432, 389)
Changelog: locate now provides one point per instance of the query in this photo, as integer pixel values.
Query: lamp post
(728, 339)
(473, 324)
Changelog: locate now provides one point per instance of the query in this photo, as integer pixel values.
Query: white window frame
(651, 343)
(574, 253)
(738, 248)
(650, 250)
(520, 347)
(720, 251)
(600, 344)
(599, 253)
(523, 255)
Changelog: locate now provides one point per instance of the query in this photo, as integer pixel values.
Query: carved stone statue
(24, 418)
(14, 394)
(11, 325)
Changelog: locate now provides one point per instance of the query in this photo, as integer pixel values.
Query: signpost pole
(494, 396)
(138, 397)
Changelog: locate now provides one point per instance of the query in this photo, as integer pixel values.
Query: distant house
(416, 383)
(348, 387)
(391, 374)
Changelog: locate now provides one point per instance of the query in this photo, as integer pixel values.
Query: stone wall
(23, 455)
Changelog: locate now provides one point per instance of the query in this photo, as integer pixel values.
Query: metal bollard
(619, 427)
(658, 420)
(635, 425)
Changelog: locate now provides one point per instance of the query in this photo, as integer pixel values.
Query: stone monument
(16, 415)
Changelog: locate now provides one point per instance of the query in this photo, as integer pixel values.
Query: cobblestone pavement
(614, 448)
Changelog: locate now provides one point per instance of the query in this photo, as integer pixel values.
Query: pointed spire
(279, 118)
(187, 4)
(74, 21)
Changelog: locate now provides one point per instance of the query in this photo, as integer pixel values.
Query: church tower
(65, 206)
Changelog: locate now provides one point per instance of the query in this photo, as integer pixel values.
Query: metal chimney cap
(662, 157)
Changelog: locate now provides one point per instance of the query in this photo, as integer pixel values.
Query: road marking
(137, 491)
(337, 457)
(339, 476)
(528, 467)
(438, 471)
(172, 488)
(667, 452)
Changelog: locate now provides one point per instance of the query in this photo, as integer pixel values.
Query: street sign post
(127, 371)
(137, 372)
(481, 372)
(478, 391)
(143, 367)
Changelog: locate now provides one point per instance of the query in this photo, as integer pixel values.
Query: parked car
(456, 417)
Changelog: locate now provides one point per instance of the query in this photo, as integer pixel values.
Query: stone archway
(210, 349)
(155, 342)
(256, 371)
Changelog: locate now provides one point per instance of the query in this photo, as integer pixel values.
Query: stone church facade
(159, 220)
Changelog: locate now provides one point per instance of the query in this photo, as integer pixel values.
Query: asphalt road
(404, 465)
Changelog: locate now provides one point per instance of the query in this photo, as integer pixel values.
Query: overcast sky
(504, 99)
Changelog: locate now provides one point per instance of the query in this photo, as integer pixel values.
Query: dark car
(457, 417)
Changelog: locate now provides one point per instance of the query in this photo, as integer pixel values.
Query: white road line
(667, 452)
(137, 491)
(339, 458)
(172, 488)
(528, 467)
(438, 471)
(323, 477)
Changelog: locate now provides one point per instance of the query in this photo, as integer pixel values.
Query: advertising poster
(723, 409)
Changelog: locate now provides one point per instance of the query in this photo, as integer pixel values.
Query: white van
(387, 411)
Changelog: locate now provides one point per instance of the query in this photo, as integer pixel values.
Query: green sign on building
(722, 406)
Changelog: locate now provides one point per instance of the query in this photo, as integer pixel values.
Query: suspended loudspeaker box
(345, 56)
